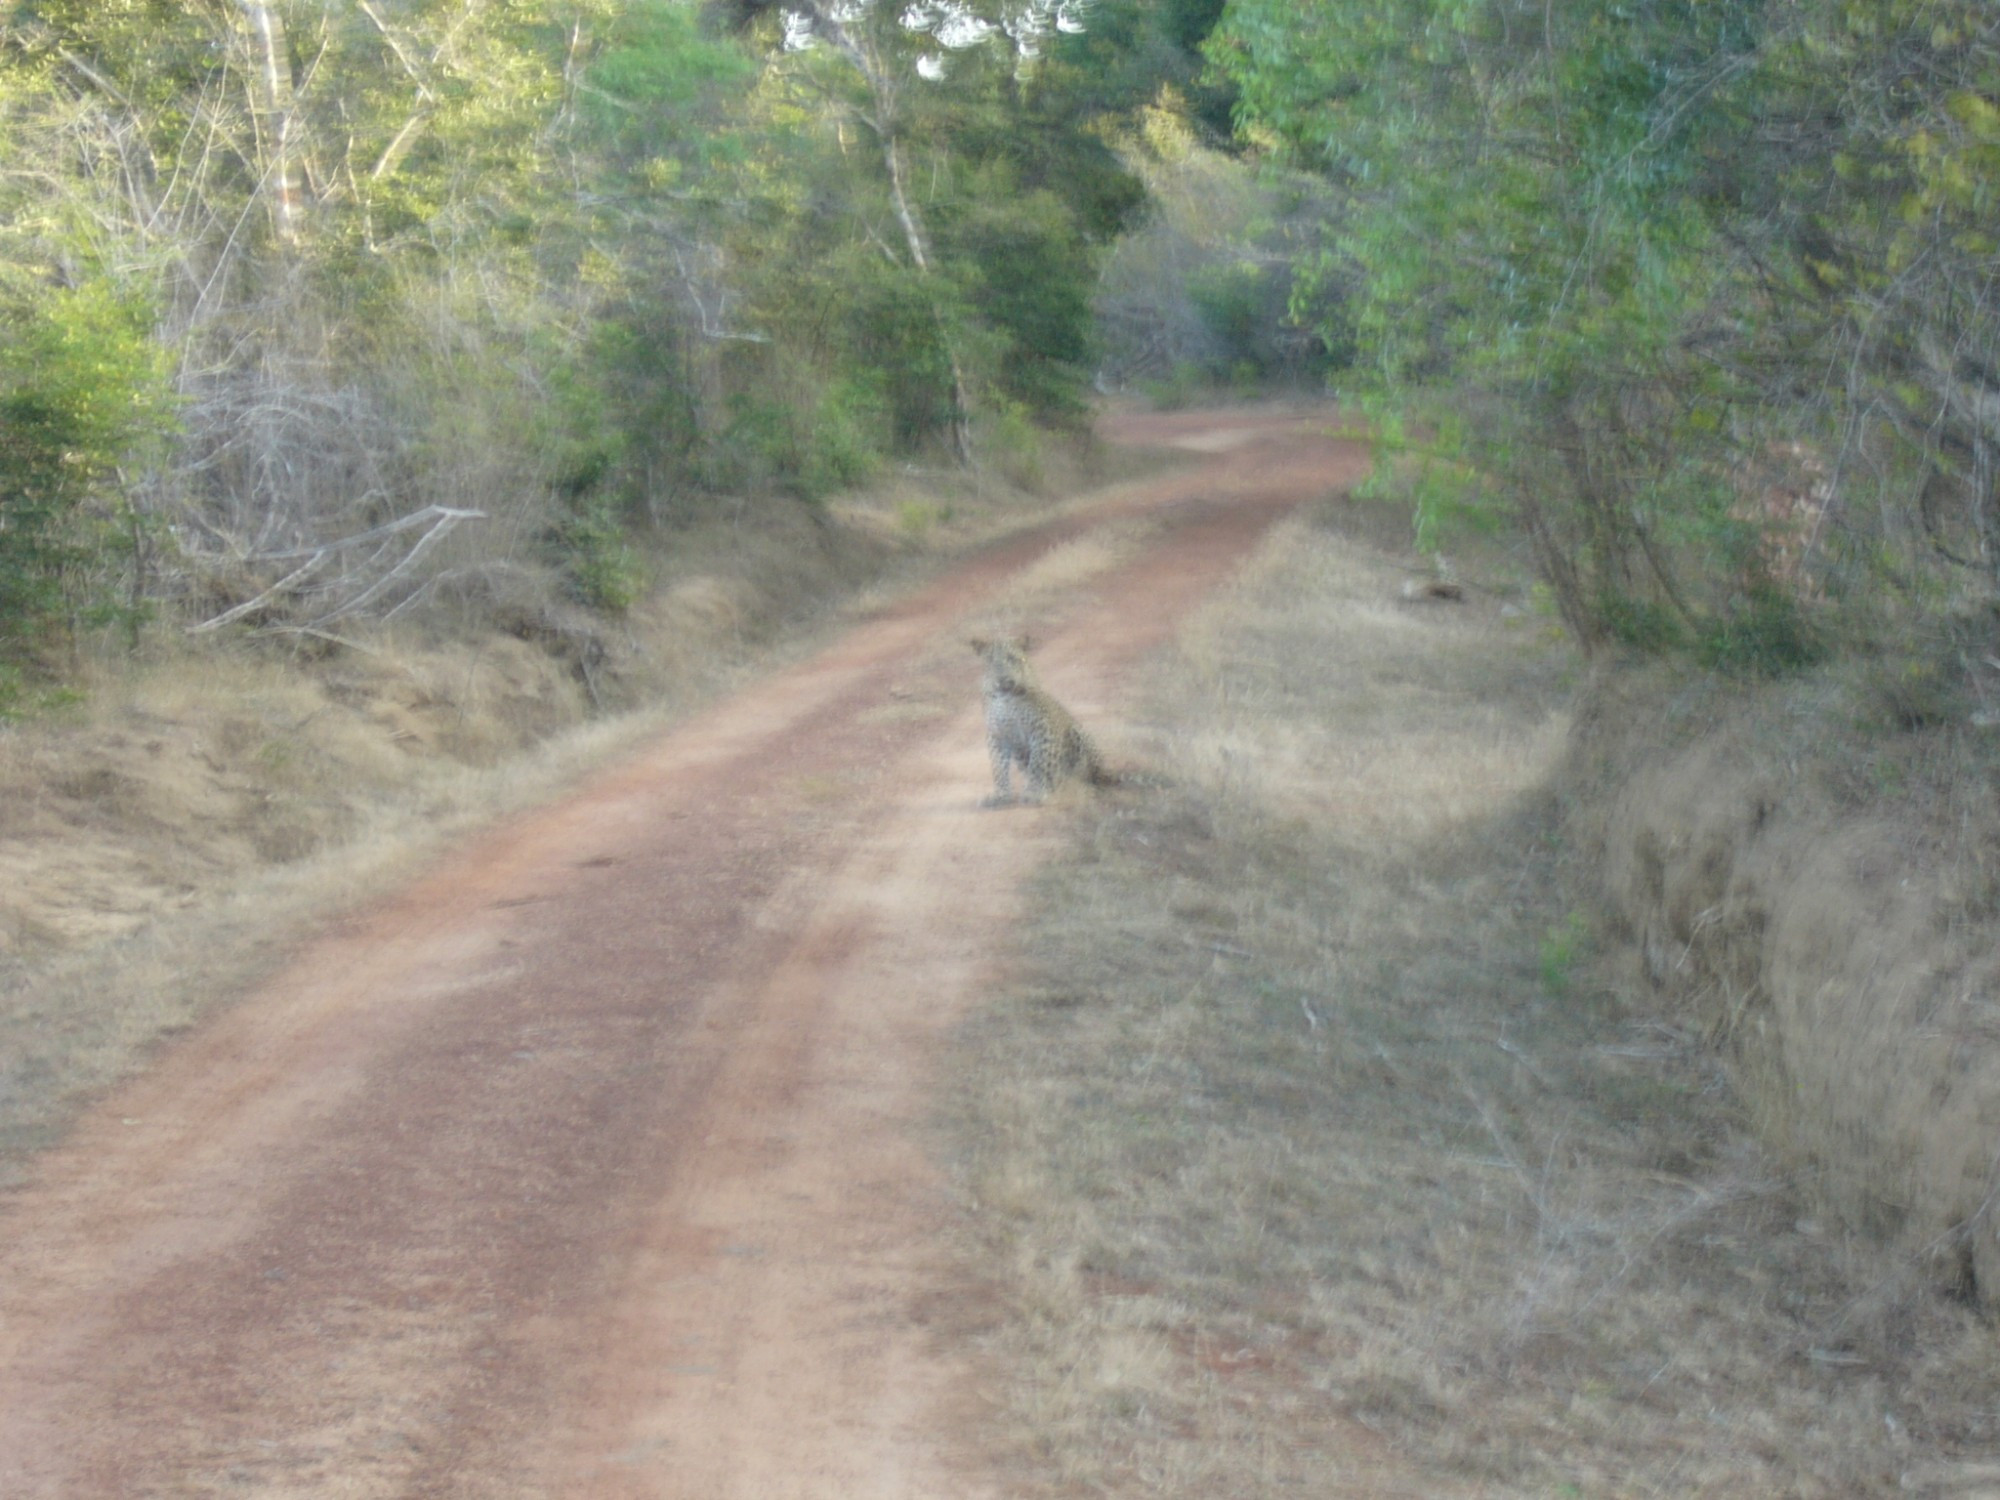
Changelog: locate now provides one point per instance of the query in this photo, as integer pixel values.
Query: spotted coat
(1025, 727)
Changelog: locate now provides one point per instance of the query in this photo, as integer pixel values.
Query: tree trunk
(913, 233)
(276, 121)
(882, 119)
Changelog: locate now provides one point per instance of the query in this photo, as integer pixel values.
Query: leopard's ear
(979, 646)
(1027, 643)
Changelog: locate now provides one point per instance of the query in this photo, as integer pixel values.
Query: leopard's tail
(1131, 780)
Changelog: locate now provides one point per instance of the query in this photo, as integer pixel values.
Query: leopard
(1026, 727)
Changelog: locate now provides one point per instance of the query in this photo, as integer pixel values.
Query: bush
(1034, 275)
(1015, 445)
(82, 389)
(603, 570)
(1182, 386)
(1232, 300)
(848, 429)
(1767, 634)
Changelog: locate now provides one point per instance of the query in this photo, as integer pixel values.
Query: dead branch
(251, 606)
(416, 518)
(440, 519)
(447, 519)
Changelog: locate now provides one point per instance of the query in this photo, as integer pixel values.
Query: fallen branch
(251, 606)
(415, 518)
(439, 518)
(447, 519)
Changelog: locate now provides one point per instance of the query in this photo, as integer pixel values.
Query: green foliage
(1181, 387)
(1013, 443)
(809, 441)
(1420, 466)
(1768, 634)
(849, 434)
(1212, 278)
(1559, 951)
(82, 390)
(1448, 500)
(531, 266)
(1129, 54)
(603, 569)
(918, 517)
(1231, 300)
(1031, 273)
(887, 330)
(1672, 258)
(975, 288)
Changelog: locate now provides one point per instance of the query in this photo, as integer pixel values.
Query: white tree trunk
(272, 112)
(913, 232)
(882, 120)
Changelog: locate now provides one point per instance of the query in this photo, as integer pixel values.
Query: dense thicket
(1712, 282)
(317, 309)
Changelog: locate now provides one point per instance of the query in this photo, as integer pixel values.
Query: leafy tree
(967, 166)
(362, 220)
(1208, 290)
(525, 272)
(1125, 56)
(82, 389)
(1665, 252)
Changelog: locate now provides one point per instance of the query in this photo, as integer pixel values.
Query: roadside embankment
(1813, 882)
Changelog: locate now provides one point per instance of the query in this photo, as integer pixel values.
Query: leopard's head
(1006, 658)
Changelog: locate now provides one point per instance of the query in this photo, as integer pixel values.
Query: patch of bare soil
(591, 1164)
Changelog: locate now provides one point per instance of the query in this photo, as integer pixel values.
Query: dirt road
(590, 1165)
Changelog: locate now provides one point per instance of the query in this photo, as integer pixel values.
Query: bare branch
(251, 606)
(440, 519)
(94, 78)
(393, 154)
(428, 515)
(410, 65)
(447, 519)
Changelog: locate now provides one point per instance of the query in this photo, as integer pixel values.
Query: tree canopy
(1710, 280)
(486, 281)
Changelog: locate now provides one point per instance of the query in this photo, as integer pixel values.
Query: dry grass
(1059, 580)
(1813, 884)
(1311, 1155)
(155, 930)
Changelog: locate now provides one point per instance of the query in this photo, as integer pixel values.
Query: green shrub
(916, 517)
(1639, 622)
(848, 429)
(1766, 634)
(1184, 385)
(603, 570)
(890, 329)
(1015, 445)
(1233, 302)
(82, 389)
(1034, 275)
